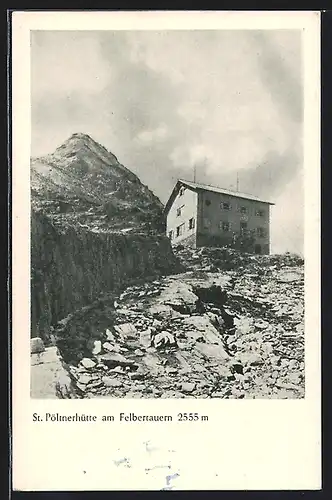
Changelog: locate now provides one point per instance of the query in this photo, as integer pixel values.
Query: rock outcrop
(50, 377)
(82, 183)
(94, 229)
(71, 267)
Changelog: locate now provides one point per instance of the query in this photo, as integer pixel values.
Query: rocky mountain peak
(79, 139)
(80, 135)
(84, 182)
(82, 145)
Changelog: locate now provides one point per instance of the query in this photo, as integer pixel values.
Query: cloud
(63, 62)
(287, 218)
(280, 70)
(166, 102)
(152, 135)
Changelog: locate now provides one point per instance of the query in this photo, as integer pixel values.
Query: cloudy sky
(225, 102)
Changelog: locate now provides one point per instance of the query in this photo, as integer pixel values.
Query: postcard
(166, 250)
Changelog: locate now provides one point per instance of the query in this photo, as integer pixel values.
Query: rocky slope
(83, 183)
(212, 331)
(94, 228)
(71, 267)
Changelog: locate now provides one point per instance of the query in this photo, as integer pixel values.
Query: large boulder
(36, 345)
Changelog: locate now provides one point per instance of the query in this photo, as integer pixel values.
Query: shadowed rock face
(72, 267)
(94, 228)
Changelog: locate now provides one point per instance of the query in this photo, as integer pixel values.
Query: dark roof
(195, 186)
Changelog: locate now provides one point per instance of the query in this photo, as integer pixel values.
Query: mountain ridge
(83, 182)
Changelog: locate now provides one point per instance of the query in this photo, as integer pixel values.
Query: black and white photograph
(167, 214)
(166, 239)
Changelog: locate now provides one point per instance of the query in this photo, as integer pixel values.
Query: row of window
(227, 226)
(223, 225)
(227, 207)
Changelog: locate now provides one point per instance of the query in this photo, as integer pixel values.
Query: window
(179, 230)
(224, 205)
(259, 213)
(179, 211)
(206, 223)
(260, 232)
(243, 210)
(243, 228)
(181, 192)
(192, 223)
(170, 235)
(225, 226)
(207, 203)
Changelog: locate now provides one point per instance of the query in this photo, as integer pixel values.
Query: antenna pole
(194, 173)
(237, 181)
